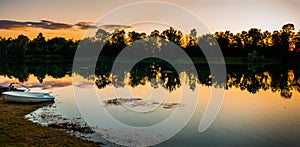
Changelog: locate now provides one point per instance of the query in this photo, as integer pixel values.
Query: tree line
(280, 44)
(22, 46)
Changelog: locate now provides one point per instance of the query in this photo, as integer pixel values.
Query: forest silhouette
(280, 45)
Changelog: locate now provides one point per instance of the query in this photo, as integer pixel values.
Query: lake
(260, 107)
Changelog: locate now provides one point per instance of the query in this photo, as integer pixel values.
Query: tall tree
(133, 36)
(18, 46)
(38, 45)
(286, 34)
(255, 37)
(173, 35)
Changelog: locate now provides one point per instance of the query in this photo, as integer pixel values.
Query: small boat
(27, 97)
(11, 88)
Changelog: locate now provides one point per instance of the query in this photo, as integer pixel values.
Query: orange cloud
(11, 28)
(45, 24)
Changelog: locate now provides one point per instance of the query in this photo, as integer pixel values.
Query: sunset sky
(70, 18)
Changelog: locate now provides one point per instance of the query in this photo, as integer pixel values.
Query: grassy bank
(17, 131)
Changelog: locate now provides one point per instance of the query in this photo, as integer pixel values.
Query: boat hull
(27, 97)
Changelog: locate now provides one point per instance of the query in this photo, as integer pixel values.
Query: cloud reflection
(44, 85)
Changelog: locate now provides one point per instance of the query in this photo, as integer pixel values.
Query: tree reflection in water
(278, 79)
(160, 73)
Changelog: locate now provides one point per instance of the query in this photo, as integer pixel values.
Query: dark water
(260, 108)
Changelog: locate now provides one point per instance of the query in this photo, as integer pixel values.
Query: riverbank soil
(15, 130)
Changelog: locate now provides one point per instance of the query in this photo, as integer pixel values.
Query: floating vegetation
(72, 126)
(170, 105)
(138, 102)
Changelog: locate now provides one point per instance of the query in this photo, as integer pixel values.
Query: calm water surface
(261, 107)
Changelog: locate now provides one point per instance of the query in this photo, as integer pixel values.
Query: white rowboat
(27, 97)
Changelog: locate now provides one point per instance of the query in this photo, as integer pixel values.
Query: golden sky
(29, 17)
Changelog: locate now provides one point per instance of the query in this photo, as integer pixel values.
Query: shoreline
(15, 130)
